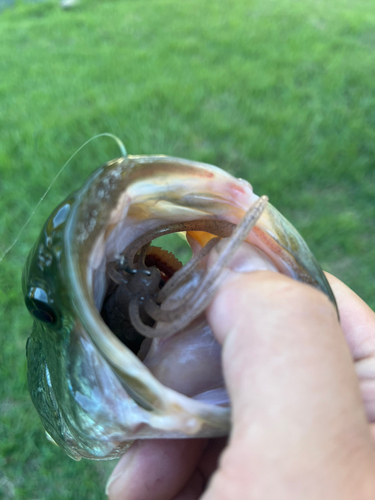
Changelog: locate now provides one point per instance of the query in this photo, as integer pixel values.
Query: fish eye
(39, 306)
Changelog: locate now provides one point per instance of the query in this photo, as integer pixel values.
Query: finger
(210, 457)
(356, 318)
(155, 469)
(193, 488)
(358, 324)
(207, 465)
(294, 392)
(268, 318)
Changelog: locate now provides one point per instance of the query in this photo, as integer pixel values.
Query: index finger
(358, 324)
(356, 318)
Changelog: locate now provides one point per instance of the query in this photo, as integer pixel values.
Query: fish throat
(152, 295)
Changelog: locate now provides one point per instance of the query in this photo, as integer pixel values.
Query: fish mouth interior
(188, 361)
(115, 314)
(156, 306)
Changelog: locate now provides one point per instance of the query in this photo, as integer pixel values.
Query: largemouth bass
(120, 347)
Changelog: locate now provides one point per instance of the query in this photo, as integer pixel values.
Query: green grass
(280, 93)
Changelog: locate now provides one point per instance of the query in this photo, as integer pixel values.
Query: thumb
(294, 392)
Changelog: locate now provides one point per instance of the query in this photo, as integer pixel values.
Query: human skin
(302, 389)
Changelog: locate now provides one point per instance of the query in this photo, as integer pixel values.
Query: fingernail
(122, 468)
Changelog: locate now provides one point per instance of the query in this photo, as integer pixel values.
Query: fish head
(47, 299)
(93, 394)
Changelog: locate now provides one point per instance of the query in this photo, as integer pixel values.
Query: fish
(120, 347)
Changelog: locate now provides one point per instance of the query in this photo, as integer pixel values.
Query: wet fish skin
(44, 270)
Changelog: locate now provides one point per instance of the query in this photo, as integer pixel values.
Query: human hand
(299, 426)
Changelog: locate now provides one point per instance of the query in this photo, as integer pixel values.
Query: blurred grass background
(281, 93)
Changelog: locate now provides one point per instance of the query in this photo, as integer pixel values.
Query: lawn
(280, 93)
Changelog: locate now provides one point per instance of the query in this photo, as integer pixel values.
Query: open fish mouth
(121, 348)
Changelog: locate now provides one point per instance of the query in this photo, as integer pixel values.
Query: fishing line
(104, 134)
